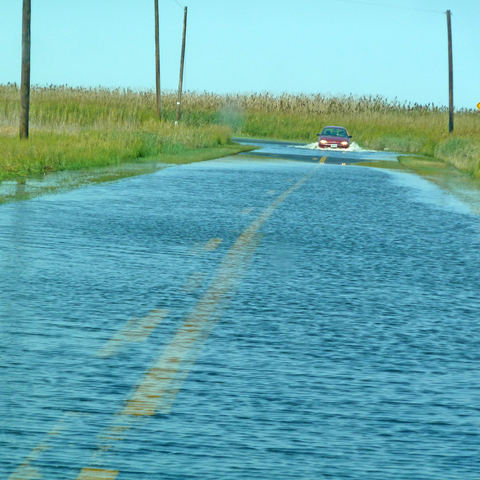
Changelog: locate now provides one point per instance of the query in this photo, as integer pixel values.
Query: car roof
(333, 126)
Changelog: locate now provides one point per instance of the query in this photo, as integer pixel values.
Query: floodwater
(312, 153)
(240, 319)
(55, 182)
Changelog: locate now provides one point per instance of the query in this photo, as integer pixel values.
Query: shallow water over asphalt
(308, 153)
(63, 181)
(241, 319)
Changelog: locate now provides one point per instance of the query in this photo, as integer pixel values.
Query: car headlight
(323, 141)
(344, 143)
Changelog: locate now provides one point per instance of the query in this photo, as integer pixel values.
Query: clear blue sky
(387, 47)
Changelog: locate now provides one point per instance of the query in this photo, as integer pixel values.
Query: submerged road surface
(305, 153)
(241, 319)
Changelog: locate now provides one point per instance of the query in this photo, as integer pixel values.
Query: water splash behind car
(334, 137)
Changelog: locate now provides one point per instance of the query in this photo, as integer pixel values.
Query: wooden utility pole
(25, 85)
(450, 73)
(157, 62)
(182, 61)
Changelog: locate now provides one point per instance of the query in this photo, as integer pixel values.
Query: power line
(181, 6)
(390, 6)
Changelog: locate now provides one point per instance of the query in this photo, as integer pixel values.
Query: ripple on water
(350, 349)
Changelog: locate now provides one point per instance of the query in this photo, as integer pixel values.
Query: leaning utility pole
(450, 73)
(182, 61)
(157, 62)
(25, 85)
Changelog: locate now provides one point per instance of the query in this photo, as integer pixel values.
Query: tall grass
(126, 121)
(373, 121)
(82, 128)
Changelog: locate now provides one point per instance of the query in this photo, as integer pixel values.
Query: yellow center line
(25, 471)
(173, 387)
(163, 381)
(156, 381)
(136, 330)
(247, 211)
(322, 160)
(195, 281)
(213, 244)
(97, 474)
(195, 250)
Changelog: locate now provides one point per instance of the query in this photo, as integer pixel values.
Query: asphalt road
(241, 319)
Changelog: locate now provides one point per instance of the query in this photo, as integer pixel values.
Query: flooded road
(239, 319)
(302, 152)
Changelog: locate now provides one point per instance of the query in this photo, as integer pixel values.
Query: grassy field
(72, 129)
(75, 128)
(374, 122)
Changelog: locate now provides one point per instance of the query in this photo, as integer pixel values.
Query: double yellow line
(26, 471)
(177, 358)
(136, 330)
(161, 383)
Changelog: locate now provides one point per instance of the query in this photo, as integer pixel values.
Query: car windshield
(335, 132)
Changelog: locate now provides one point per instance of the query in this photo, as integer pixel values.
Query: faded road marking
(160, 384)
(157, 380)
(97, 474)
(322, 160)
(136, 330)
(195, 250)
(213, 244)
(247, 211)
(209, 246)
(25, 471)
(173, 387)
(194, 282)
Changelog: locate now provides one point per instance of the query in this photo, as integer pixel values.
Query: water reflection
(56, 182)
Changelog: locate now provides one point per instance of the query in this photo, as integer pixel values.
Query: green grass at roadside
(426, 166)
(200, 155)
(75, 127)
(48, 151)
(404, 132)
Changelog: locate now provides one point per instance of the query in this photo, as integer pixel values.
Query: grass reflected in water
(26, 188)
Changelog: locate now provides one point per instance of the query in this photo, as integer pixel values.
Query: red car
(334, 137)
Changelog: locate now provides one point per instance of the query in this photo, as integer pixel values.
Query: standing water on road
(241, 319)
